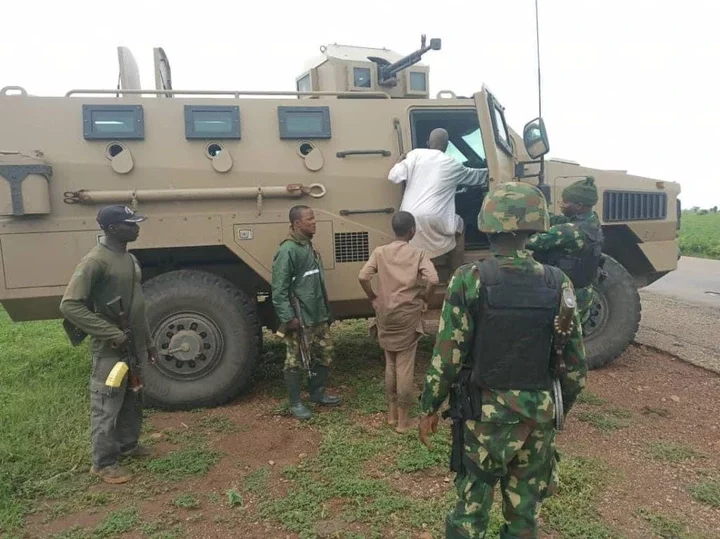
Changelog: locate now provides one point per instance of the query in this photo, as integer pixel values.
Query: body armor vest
(514, 327)
(580, 266)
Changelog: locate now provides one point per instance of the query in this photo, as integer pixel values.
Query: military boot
(292, 382)
(113, 474)
(316, 387)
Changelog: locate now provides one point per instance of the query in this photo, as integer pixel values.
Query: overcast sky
(627, 84)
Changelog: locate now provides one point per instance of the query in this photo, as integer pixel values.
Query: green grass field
(700, 235)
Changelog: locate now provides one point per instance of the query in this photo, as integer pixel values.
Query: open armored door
(163, 75)
(129, 77)
(496, 138)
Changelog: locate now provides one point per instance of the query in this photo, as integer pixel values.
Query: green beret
(582, 192)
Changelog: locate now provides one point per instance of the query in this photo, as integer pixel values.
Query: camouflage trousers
(115, 415)
(585, 298)
(522, 457)
(321, 347)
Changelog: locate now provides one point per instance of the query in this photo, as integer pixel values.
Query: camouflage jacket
(452, 349)
(563, 234)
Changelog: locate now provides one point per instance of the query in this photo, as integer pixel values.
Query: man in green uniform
(493, 348)
(106, 272)
(298, 279)
(574, 242)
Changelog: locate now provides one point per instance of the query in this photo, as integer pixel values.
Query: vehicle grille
(634, 206)
(352, 247)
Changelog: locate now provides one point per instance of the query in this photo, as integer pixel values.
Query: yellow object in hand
(117, 374)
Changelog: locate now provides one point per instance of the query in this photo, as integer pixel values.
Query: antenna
(537, 46)
(544, 187)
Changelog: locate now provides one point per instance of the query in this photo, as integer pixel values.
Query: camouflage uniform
(320, 341)
(566, 235)
(513, 441)
(569, 237)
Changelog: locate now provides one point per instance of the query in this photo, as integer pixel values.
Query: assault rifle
(303, 340)
(464, 404)
(563, 326)
(131, 358)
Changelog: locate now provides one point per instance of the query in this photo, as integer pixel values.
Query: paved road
(681, 314)
(696, 280)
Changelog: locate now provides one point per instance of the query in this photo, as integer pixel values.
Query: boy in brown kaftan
(405, 281)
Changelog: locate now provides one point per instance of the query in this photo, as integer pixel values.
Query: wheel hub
(597, 317)
(190, 345)
(185, 345)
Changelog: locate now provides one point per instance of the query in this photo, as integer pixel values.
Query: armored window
(304, 122)
(502, 137)
(106, 122)
(361, 77)
(418, 81)
(212, 122)
(303, 84)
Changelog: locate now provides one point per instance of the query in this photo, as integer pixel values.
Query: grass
(338, 473)
(186, 501)
(572, 512)
(671, 451)
(234, 498)
(116, 523)
(700, 235)
(667, 527)
(587, 397)
(606, 419)
(362, 477)
(44, 417)
(183, 463)
(707, 491)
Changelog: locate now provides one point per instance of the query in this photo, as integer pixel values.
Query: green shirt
(452, 349)
(102, 275)
(298, 269)
(564, 234)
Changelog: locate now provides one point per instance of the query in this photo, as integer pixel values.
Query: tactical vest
(514, 327)
(580, 266)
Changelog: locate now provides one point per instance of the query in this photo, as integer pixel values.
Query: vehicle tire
(211, 327)
(614, 318)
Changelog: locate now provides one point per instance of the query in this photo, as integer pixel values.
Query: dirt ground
(661, 399)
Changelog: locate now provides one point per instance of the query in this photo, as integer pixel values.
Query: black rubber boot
(316, 387)
(292, 382)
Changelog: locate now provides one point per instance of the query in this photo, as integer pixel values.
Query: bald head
(438, 139)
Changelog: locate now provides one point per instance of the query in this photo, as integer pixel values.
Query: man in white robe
(431, 179)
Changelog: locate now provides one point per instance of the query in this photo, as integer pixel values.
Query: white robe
(432, 178)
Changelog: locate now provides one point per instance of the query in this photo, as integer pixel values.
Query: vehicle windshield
(473, 149)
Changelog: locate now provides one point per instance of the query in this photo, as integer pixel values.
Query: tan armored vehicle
(217, 171)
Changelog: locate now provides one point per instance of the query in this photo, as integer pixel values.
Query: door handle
(345, 153)
(379, 210)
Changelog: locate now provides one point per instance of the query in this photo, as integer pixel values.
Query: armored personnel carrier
(217, 170)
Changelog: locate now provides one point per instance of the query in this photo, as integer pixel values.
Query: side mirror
(535, 138)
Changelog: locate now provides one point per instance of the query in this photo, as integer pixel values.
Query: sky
(626, 84)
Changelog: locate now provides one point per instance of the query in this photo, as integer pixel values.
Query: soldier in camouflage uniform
(493, 357)
(574, 241)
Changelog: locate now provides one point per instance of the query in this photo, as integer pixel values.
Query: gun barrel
(389, 71)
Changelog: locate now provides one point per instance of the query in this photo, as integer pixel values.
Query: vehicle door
(499, 151)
